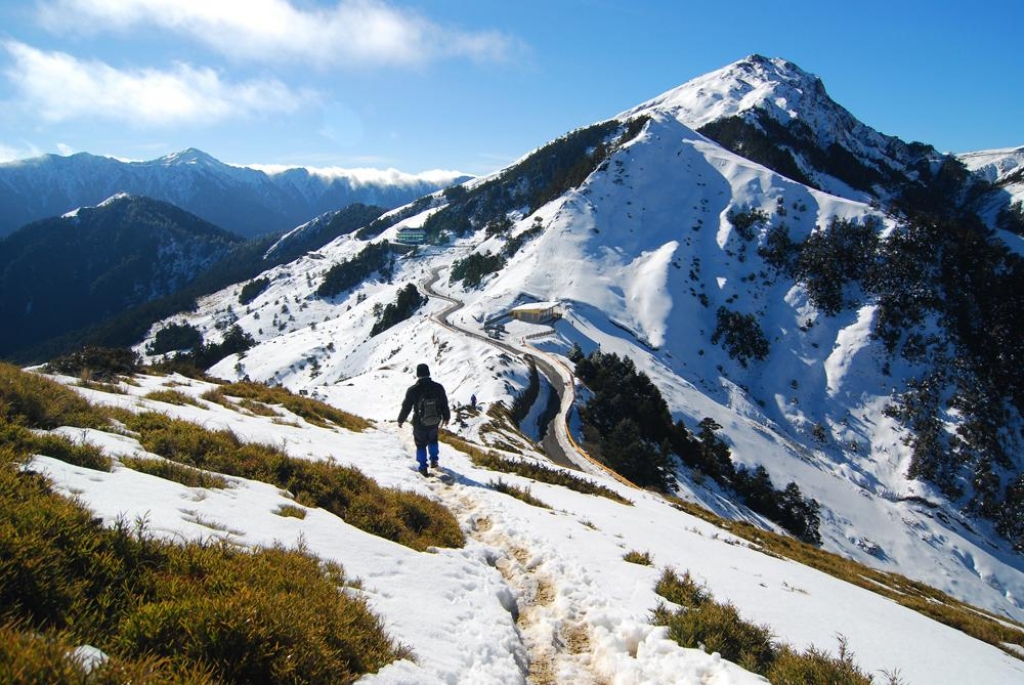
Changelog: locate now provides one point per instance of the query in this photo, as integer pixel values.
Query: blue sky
(470, 84)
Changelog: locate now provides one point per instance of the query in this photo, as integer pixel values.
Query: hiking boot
(433, 463)
(422, 470)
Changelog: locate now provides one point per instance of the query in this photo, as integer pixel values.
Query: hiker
(428, 402)
(472, 401)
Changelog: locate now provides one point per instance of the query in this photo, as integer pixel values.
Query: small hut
(536, 312)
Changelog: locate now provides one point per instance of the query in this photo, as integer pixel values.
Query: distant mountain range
(101, 275)
(243, 200)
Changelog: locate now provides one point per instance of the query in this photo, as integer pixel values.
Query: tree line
(950, 301)
(627, 425)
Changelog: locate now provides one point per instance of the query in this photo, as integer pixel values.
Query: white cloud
(10, 153)
(58, 87)
(359, 32)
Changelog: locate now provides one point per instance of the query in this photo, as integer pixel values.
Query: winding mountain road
(557, 444)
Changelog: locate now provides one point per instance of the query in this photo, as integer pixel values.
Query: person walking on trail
(428, 402)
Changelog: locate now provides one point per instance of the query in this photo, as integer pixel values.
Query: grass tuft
(538, 472)
(173, 471)
(701, 622)
(291, 510)
(175, 397)
(519, 493)
(636, 557)
(313, 411)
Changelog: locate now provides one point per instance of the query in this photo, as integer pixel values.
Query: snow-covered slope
(249, 201)
(539, 590)
(641, 256)
(996, 166)
(1004, 169)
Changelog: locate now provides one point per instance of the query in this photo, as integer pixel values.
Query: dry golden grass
(701, 622)
(314, 411)
(489, 459)
(922, 598)
(165, 612)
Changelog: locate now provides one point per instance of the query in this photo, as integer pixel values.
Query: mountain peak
(115, 198)
(772, 84)
(190, 156)
(771, 111)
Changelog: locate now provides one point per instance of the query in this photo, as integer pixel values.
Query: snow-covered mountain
(247, 201)
(660, 245)
(1000, 167)
(771, 111)
(1004, 169)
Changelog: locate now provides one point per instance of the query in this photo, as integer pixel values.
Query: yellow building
(536, 312)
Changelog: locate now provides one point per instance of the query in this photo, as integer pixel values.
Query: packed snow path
(554, 635)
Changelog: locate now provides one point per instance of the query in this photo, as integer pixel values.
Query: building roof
(534, 306)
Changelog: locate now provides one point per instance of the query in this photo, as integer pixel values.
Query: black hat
(422, 371)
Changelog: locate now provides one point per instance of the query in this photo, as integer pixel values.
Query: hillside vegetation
(196, 456)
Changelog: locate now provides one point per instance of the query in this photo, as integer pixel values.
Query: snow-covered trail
(569, 628)
(554, 635)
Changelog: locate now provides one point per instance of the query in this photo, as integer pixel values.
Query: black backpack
(428, 409)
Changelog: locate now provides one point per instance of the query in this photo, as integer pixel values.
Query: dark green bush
(97, 363)
(741, 336)
(407, 303)
(627, 422)
(253, 289)
(174, 337)
(374, 258)
(472, 268)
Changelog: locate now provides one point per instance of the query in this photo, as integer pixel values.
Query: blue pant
(426, 443)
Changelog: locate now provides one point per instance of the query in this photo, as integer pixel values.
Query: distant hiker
(472, 401)
(428, 402)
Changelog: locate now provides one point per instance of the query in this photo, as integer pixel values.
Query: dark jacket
(423, 386)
